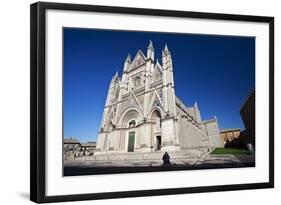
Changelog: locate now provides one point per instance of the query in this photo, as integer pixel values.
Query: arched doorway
(129, 122)
(156, 117)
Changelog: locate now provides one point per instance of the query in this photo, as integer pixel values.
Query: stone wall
(212, 129)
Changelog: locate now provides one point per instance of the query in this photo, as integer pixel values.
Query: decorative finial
(115, 76)
(150, 44)
(166, 47)
(128, 58)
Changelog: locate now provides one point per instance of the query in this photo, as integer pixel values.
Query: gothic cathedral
(143, 114)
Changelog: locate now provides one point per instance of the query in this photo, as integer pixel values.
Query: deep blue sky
(216, 71)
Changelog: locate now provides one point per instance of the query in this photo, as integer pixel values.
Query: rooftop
(229, 129)
(70, 141)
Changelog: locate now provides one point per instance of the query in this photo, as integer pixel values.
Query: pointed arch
(156, 110)
(156, 119)
(155, 102)
(129, 115)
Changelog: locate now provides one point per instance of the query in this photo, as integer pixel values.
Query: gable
(138, 60)
(155, 102)
(132, 102)
(158, 68)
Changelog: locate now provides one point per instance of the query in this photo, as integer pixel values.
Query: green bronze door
(131, 142)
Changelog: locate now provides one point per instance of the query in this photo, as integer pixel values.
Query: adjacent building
(236, 138)
(88, 146)
(71, 144)
(247, 113)
(72, 148)
(228, 135)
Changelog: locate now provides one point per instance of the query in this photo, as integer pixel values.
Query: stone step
(176, 155)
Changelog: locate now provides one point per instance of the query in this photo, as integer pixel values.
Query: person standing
(166, 160)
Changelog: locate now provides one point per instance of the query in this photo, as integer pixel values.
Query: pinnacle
(128, 58)
(166, 47)
(150, 44)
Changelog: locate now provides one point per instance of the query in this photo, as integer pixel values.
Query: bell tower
(169, 132)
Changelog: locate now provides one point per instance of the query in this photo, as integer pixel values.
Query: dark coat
(166, 158)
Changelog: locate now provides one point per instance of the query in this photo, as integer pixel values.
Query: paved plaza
(83, 166)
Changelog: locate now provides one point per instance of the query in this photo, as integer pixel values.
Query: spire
(165, 51)
(115, 77)
(116, 74)
(195, 104)
(166, 58)
(127, 63)
(150, 45)
(166, 47)
(150, 51)
(128, 59)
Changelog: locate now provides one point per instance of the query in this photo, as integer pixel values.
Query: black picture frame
(38, 101)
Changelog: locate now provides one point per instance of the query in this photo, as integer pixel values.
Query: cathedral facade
(143, 114)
